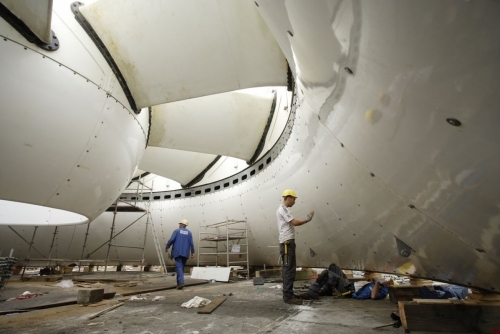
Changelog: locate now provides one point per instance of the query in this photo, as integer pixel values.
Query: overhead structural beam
(200, 176)
(262, 141)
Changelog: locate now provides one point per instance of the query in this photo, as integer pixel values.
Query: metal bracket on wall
(403, 249)
(24, 30)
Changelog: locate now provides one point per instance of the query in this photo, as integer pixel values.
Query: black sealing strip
(75, 7)
(290, 82)
(200, 176)
(150, 110)
(140, 176)
(262, 142)
(26, 32)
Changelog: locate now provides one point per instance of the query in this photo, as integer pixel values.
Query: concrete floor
(250, 309)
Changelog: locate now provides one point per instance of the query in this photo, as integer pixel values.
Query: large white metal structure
(390, 136)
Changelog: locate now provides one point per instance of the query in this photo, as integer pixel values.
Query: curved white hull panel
(172, 163)
(193, 48)
(65, 141)
(228, 124)
(14, 213)
(371, 151)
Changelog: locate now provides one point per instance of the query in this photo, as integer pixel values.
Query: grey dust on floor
(250, 309)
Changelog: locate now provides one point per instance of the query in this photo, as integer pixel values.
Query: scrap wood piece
(95, 315)
(4, 312)
(445, 301)
(258, 281)
(443, 316)
(212, 306)
(127, 292)
(399, 293)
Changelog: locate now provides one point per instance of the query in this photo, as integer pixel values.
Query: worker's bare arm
(298, 222)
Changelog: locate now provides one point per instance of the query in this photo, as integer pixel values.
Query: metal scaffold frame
(115, 208)
(149, 224)
(234, 231)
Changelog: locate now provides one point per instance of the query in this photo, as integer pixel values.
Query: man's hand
(310, 216)
(192, 255)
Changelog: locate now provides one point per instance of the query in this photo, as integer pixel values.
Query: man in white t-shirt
(286, 229)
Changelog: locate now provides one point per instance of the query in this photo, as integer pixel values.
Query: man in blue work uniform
(181, 242)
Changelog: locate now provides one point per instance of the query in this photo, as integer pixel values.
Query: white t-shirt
(285, 228)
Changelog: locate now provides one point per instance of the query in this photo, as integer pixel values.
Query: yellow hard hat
(289, 192)
(184, 222)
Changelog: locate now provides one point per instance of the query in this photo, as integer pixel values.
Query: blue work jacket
(182, 241)
(365, 292)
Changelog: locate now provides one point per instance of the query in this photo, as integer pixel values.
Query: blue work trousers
(180, 262)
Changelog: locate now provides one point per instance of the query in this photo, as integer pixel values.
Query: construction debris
(6, 268)
(258, 281)
(95, 315)
(65, 284)
(196, 302)
(157, 298)
(212, 306)
(25, 295)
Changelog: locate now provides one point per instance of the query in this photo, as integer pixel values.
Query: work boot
(293, 300)
(180, 287)
(394, 316)
(305, 296)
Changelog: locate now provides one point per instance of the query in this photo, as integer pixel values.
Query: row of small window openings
(197, 192)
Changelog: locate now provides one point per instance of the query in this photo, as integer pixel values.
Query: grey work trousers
(289, 268)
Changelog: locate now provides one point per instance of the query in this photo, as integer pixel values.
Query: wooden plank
(268, 273)
(139, 290)
(95, 315)
(448, 317)
(48, 278)
(399, 293)
(4, 312)
(464, 301)
(305, 274)
(212, 306)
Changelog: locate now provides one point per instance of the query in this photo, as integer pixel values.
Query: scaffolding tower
(227, 239)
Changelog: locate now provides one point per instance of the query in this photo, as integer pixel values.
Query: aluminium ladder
(157, 244)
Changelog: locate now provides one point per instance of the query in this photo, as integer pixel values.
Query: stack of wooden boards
(479, 313)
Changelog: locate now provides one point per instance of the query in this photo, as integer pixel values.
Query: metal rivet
(372, 175)
(453, 121)
(412, 206)
(348, 70)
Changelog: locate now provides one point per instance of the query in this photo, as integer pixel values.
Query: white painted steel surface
(218, 274)
(193, 48)
(229, 124)
(371, 151)
(181, 166)
(14, 213)
(65, 141)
